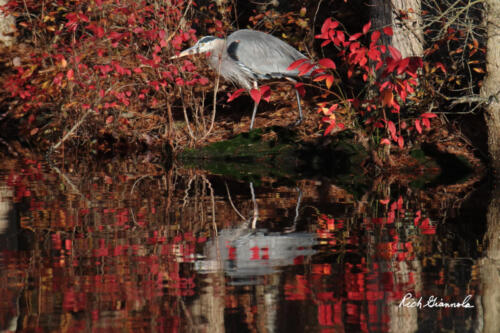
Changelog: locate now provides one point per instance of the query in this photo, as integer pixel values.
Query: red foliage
(390, 77)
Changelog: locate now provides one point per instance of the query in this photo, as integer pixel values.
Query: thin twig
(72, 130)
(216, 89)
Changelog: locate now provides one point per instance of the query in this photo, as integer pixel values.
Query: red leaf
(373, 54)
(70, 74)
(295, 64)
(384, 201)
(355, 36)
(109, 119)
(394, 53)
(426, 122)
(401, 142)
(392, 129)
(366, 27)
(325, 43)
(403, 64)
(320, 77)
(375, 36)
(235, 95)
(300, 88)
(333, 108)
(340, 37)
(330, 127)
(441, 66)
(305, 68)
(387, 31)
(265, 91)
(385, 141)
(327, 63)
(417, 126)
(256, 95)
(428, 115)
(329, 25)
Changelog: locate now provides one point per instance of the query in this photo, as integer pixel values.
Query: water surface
(124, 245)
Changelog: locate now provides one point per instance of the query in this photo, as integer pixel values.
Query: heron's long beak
(191, 50)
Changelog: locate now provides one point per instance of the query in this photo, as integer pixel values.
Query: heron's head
(204, 44)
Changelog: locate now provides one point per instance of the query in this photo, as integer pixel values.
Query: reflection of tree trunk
(406, 21)
(208, 309)
(491, 84)
(490, 268)
(7, 27)
(405, 319)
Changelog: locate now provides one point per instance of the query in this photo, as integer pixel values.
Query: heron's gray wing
(263, 54)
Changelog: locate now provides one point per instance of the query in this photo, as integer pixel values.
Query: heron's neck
(216, 53)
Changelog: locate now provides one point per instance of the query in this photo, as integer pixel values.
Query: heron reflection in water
(246, 57)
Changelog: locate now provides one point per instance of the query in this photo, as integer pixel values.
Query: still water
(127, 246)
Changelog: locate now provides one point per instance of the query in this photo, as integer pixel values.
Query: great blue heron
(248, 56)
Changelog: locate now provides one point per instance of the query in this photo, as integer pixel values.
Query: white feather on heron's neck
(227, 67)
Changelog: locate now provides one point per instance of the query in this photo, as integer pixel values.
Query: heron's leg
(300, 108)
(255, 105)
(298, 100)
(253, 114)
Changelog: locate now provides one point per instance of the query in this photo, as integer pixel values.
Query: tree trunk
(406, 22)
(490, 270)
(7, 27)
(491, 83)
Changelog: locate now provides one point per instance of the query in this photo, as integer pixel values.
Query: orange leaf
(387, 97)
(320, 77)
(34, 131)
(329, 81)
